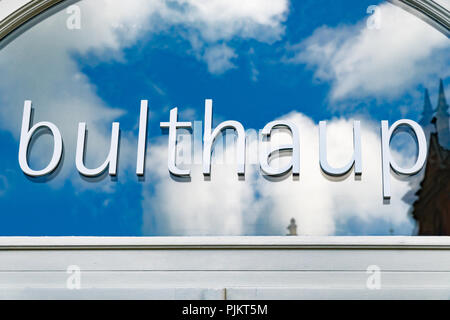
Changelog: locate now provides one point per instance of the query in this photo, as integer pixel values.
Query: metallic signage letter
(25, 138)
(173, 125)
(294, 147)
(111, 160)
(142, 139)
(355, 160)
(208, 140)
(388, 161)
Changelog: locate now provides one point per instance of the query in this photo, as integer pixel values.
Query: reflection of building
(432, 208)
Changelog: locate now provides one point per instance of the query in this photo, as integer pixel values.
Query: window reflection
(94, 61)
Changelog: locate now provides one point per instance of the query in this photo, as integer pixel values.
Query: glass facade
(352, 64)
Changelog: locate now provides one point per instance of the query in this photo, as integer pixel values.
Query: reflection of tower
(431, 210)
(292, 228)
(427, 116)
(426, 122)
(442, 119)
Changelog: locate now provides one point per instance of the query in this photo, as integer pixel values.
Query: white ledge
(285, 242)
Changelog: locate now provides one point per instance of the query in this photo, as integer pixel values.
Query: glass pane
(298, 62)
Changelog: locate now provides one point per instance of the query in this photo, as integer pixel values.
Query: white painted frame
(428, 10)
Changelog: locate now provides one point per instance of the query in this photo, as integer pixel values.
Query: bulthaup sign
(210, 134)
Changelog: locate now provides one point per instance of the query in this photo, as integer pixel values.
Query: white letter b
(25, 138)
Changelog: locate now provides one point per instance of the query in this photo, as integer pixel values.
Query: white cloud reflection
(225, 205)
(40, 66)
(379, 62)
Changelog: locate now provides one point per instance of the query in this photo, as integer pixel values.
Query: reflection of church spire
(430, 209)
(442, 119)
(427, 116)
(436, 127)
(427, 113)
(442, 108)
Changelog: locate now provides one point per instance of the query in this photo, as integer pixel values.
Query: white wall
(230, 267)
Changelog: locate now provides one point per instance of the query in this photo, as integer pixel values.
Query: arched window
(186, 118)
